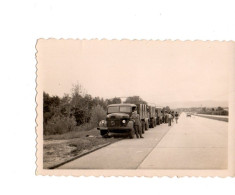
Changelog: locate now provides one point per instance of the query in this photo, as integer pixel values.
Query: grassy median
(214, 118)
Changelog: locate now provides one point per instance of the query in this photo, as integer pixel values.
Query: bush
(59, 125)
(97, 114)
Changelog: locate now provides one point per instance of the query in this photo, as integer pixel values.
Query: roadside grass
(61, 148)
(80, 131)
(214, 118)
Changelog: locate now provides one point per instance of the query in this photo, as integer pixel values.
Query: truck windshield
(113, 109)
(126, 109)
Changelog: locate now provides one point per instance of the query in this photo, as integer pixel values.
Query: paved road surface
(193, 143)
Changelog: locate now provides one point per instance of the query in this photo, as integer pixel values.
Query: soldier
(137, 125)
(176, 117)
(169, 119)
(166, 117)
(173, 115)
(161, 117)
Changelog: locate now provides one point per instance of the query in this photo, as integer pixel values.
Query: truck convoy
(159, 113)
(152, 117)
(118, 119)
(142, 110)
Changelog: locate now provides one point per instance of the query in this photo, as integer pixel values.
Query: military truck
(152, 117)
(118, 120)
(159, 113)
(142, 110)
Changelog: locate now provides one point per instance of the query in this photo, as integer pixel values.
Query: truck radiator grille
(113, 123)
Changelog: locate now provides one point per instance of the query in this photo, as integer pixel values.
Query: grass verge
(214, 118)
(60, 148)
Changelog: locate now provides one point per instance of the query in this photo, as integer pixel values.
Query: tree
(97, 114)
(50, 106)
(59, 125)
(115, 100)
(166, 109)
(219, 109)
(81, 104)
(78, 89)
(65, 106)
(79, 108)
(135, 100)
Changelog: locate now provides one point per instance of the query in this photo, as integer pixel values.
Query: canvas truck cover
(142, 111)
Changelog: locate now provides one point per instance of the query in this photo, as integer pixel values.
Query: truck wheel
(143, 127)
(158, 121)
(147, 125)
(103, 133)
(152, 124)
(132, 133)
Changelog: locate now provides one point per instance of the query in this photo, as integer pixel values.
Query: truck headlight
(102, 123)
(123, 121)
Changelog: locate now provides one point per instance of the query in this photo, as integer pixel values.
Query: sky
(160, 72)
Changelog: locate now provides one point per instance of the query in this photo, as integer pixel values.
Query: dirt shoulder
(61, 148)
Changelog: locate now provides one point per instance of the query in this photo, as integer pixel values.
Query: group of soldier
(167, 118)
(170, 116)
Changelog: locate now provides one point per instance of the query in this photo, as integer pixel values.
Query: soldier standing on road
(176, 117)
(165, 117)
(137, 124)
(169, 118)
(173, 116)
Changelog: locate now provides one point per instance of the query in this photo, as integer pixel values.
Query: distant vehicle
(188, 114)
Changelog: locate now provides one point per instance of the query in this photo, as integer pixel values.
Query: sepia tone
(88, 92)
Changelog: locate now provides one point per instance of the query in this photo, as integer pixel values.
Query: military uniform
(173, 116)
(166, 117)
(169, 119)
(137, 124)
(176, 117)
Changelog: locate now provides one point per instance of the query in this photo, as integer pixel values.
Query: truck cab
(118, 120)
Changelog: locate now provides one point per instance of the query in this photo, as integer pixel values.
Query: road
(193, 143)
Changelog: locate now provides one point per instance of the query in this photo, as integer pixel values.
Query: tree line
(77, 111)
(207, 110)
(213, 111)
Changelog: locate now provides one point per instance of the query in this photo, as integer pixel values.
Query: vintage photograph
(134, 107)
